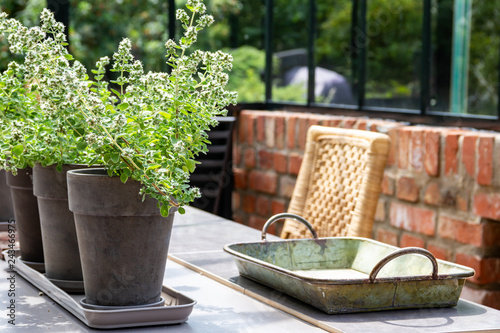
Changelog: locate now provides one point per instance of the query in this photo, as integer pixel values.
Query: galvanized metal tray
(175, 310)
(350, 274)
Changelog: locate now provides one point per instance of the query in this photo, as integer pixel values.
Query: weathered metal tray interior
(341, 274)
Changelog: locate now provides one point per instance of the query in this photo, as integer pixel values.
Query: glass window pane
(290, 35)
(246, 42)
(334, 56)
(484, 58)
(394, 45)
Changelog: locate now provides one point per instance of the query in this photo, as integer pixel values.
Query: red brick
(487, 269)
(290, 132)
(240, 178)
(239, 218)
(432, 195)
(413, 218)
(491, 234)
(450, 153)
(387, 186)
(417, 150)
(280, 161)
(277, 207)
(388, 237)
(335, 122)
(403, 147)
(258, 222)
(408, 240)
(393, 149)
(487, 205)
(407, 189)
(266, 159)
(249, 158)
(280, 132)
(249, 203)
(243, 126)
(469, 154)
(439, 252)
(236, 155)
(485, 160)
(265, 182)
(460, 231)
(313, 119)
(263, 206)
(431, 158)
(294, 162)
(261, 128)
(302, 135)
(361, 125)
(349, 122)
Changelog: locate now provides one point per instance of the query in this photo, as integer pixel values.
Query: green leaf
(123, 177)
(123, 106)
(165, 115)
(155, 166)
(116, 92)
(164, 210)
(106, 157)
(68, 56)
(59, 168)
(81, 145)
(115, 157)
(191, 164)
(18, 149)
(181, 210)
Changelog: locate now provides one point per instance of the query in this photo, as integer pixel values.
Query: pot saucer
(37, 266)
(84, 304)
(68, 286)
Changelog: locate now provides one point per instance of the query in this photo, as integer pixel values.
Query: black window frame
(423, 115)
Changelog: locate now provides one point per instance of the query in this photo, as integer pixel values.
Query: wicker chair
(339, 182)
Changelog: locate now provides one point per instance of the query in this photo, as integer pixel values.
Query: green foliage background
(393, 41)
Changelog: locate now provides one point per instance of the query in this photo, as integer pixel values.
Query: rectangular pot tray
(176, 310)
(350, 274)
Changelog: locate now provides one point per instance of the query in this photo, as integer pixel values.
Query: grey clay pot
(60, 246)
(27, 217)
(6, 209)
(123, 241)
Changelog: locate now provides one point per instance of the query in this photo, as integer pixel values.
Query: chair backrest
(339, 182)
(214, 173)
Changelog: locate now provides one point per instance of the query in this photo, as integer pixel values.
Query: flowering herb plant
(150, 129)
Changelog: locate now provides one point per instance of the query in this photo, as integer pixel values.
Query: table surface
(200, 269)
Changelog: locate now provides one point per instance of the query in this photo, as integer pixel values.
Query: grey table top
(197, 241)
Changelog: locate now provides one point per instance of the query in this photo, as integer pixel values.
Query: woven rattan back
(339, 182)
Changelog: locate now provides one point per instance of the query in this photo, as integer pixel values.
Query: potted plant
(148, 132)
(38, 148)
(17, 114)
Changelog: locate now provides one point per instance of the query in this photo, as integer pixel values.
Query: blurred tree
(26, 11)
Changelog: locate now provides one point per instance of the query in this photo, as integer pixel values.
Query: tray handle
(282, 216)
(402, 252)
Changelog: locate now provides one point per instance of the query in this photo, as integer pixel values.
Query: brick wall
(441, 186)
